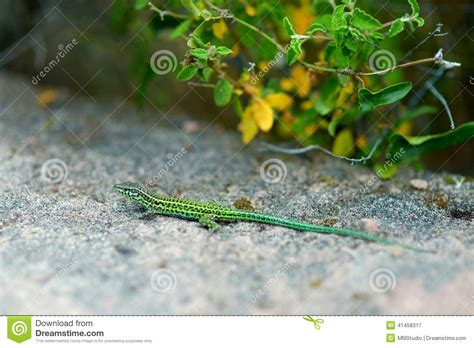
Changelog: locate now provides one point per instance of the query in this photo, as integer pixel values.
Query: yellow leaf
(47, 96)
(262, 65)
(235, 50)
(262, 113)
(405, 128)
(286, 84)
(344, 143)
(310, 129)
(279, 101)
(361, 142)
(288, 117)
(219, 29)
(250, 10)
(307, 104)
(247, 126)
(301, 80)
(345, 93)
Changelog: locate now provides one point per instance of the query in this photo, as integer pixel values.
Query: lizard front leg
(209, 222)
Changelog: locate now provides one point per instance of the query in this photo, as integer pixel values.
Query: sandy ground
(71, 245)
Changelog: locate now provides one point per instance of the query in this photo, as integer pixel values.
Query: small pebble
(419, 184)
(190, 126)
(370, 225)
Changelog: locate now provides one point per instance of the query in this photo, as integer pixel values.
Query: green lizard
(209, 213)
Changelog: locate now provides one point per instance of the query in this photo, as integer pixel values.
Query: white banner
(237, 331)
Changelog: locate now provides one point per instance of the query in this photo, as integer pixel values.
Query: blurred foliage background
(115, 43)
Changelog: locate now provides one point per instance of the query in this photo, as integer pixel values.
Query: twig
(199, 84)
(326, 151)
(438, 96)
(405, 20)
(163, 13)
(436, 32)
(426, 88)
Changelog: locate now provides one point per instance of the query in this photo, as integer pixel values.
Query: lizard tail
(301, 226)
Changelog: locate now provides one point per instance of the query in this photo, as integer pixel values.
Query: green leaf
(191, 7)
(206, 73)
(316, 27)
(364, 21)
(396, 28)
(195, 37)
(368, 100)
(187, 72)
(288, 26)
(325, 20)
(414, 113)
(420, 21)
(294, 51)
(140, 4)
(415, 8)
(223, 51)
(349, 117)
(199, 53)
(386, 170)
(343, 143)
(328, 95)
(181, 29)
(339, 21)
(238, 108)
(402, 148)
(223, 93)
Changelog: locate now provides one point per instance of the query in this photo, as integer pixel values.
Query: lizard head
(131, 190)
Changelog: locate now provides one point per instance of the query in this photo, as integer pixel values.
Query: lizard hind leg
(208, 222)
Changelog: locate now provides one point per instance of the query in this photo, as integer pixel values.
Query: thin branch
(199, 84)
(438, 59)
(405, 20)
(261, 32)
(405, 65)
(163, 13)
(419, 95)
(443, 101)
(326, 151)
(436, 32)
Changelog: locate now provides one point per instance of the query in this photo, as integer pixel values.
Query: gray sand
(77, 247)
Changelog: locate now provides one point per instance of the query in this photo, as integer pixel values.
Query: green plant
(308, 70)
